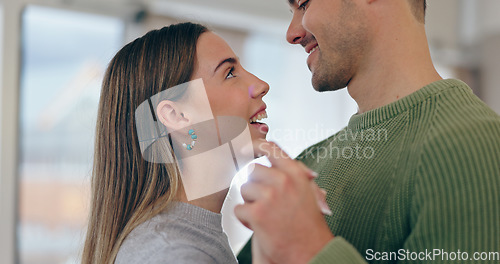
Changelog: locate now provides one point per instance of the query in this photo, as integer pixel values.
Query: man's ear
(170, 115)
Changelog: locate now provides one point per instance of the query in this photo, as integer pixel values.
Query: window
(64, 55)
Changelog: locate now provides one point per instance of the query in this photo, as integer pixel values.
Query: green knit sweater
(418, 179)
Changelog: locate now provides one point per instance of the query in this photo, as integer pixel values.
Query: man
(415, 175)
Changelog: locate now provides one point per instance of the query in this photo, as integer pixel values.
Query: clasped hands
(284, 207)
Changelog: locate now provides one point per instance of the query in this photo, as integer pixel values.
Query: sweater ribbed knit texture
(419, 174)
(183, 234)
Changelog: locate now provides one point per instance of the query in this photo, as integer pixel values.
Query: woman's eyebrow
(227, 60)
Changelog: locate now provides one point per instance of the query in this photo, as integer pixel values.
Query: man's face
(334, 34)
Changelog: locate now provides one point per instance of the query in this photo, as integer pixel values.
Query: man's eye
(303, 5)
(230, 74)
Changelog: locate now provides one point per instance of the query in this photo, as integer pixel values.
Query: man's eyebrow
(292, 5)
(227, 60)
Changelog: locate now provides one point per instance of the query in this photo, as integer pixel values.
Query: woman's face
(231, 90)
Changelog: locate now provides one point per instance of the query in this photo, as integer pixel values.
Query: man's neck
(370, 95)
(397, 66)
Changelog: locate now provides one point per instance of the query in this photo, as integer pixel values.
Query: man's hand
(281, 207)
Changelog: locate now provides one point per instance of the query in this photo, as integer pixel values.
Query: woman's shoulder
(168, 238)
(141, 242)
(158, 240)
(151, 253)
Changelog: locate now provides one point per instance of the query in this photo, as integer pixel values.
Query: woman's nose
(260, 88)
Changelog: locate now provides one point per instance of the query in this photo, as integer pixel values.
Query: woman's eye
(230, 74)
(303, 6)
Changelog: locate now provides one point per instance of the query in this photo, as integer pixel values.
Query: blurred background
(55, 52)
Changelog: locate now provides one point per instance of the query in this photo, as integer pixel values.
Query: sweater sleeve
(338, 249)
(455, 206)
(179, 254)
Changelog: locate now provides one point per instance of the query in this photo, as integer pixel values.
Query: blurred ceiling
(454, 27)
(256, 15)
(276, 9)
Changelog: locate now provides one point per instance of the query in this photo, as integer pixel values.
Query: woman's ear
(170, 115)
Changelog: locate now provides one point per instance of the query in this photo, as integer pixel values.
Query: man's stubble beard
(339, 59)
(328, 77)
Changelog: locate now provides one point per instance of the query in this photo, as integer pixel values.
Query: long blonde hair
(126, 190)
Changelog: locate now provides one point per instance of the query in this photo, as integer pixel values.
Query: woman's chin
(259, 136)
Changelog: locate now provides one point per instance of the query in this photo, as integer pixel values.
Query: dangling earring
(193, 137)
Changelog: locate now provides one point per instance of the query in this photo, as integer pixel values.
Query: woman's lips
(254, 121)
(261, 127)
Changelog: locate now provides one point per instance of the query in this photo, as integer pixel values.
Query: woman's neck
(206, 178)
(211, 202)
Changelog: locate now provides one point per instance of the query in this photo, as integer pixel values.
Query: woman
(153, 197)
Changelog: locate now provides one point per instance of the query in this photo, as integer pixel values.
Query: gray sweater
(184, 233)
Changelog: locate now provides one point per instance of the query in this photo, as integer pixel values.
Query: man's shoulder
(456, 112)
(473, 117)
(457, 99)
(460, 129)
